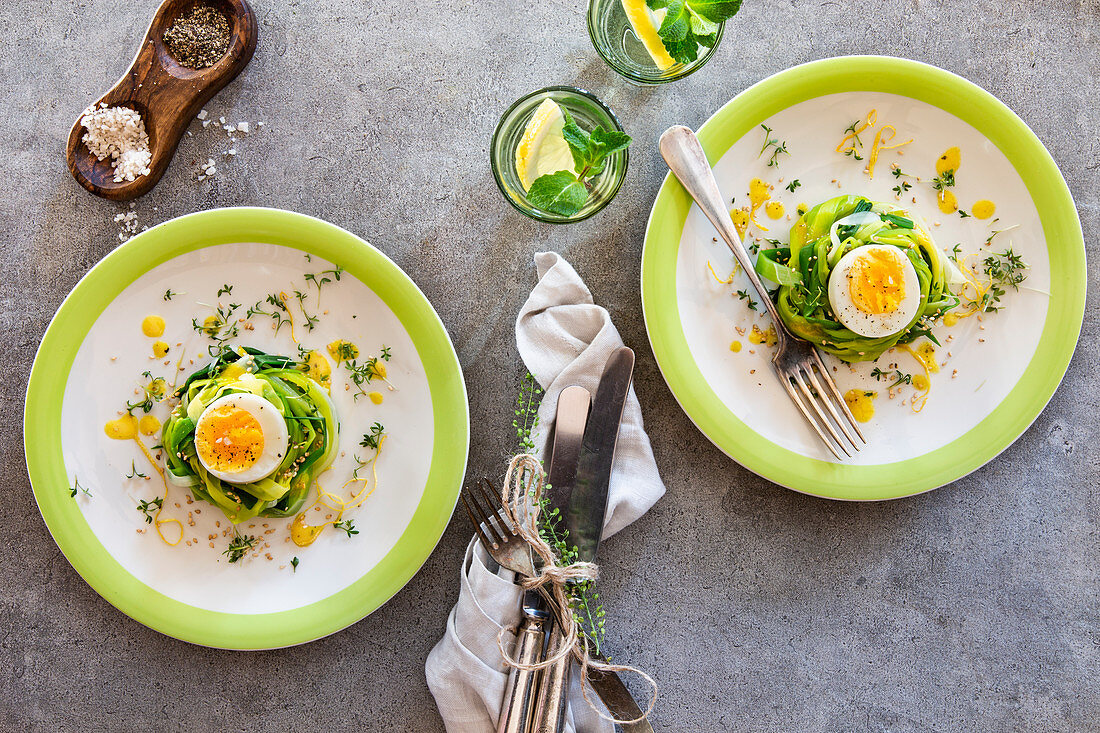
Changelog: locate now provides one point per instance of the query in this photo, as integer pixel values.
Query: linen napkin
(564, 338)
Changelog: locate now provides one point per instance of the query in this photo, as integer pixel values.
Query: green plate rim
(1065, 244)
(42, 424)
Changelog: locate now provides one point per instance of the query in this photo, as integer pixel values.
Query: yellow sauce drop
(160, 349)
(861, 403)
(319, 369)
(925, 354)
(950, 319)
(735, 346)
(801, 209)
(149, 425)
(740, 221)
(124, 428)
(342, 350)
(768, 337)
(759, 193)
(303, 534)
(921, 383)
(949, 161)
(983, 209)
(948, 203)
(211, 325)
(152, 326)
(775, 209)
(375, 397)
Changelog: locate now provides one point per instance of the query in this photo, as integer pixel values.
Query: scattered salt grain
(118, 133)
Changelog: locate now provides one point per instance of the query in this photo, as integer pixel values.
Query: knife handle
(550, 704)
(517, 708)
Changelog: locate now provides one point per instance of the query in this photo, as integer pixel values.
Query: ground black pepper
(199, 38)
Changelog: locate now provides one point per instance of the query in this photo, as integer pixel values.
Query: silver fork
(505, 545)
(796, 361)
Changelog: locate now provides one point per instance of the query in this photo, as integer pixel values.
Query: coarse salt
(118, 133)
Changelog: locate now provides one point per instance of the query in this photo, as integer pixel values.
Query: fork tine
(493, 499)
(829, 404)
(814, 403)
(837, 396)
(483, 520)
(477, 525)
(797, 400)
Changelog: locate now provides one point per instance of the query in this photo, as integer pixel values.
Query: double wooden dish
(166, 93)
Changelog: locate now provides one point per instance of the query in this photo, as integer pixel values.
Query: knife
(572, 412)
(583, 506)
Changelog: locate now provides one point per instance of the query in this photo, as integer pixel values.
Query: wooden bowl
(167, 94)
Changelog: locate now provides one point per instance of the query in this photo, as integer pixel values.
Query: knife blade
(518, 709)
(588, 501)
(583, 506)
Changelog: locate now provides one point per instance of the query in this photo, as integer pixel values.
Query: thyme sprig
(77, 488)
(897, 375)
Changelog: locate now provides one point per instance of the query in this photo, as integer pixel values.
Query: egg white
(274, 429)
(873, 325)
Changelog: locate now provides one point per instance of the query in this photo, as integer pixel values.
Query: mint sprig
(689, 24)
(565, 192)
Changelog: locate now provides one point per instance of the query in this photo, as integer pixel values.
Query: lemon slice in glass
(543, 149)
(645, 23)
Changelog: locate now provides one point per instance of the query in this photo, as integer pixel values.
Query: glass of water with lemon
(657, 41)
(559, 154)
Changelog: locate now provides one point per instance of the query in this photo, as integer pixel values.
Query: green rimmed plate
(91, 359)
(997, 373)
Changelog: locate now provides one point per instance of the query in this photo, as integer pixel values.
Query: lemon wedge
(645, 23)
(543, 149)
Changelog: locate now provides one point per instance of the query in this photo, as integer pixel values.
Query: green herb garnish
(776, 145)
(240, 546)
(744, 295)
(76, 488)
(566, 192)
(149, 508)
(793, 185)
(294, 563)
(347, 526)
(691, 24)
(134, 473)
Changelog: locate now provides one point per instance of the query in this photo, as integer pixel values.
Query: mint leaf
(715, 10)
(691, 24)
(579, 142)
(559, 193)
(609, 142)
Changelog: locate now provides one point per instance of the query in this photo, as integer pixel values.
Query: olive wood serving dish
(167, 94)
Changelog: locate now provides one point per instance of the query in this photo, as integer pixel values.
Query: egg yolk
(152, 326)
(229, 439)
(876, 282)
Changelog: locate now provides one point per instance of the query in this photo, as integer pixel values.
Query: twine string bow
(523, 486)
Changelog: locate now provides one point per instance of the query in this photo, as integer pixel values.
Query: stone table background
(971, 608)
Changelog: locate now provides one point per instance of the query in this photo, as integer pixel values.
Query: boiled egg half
(874, 290)
(240, 438)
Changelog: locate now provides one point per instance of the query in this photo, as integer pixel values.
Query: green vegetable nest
(802, 272)
(311, 424)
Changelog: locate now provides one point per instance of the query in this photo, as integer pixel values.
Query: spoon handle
(685, 157)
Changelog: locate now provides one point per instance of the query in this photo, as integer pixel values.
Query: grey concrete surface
(973, 608)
